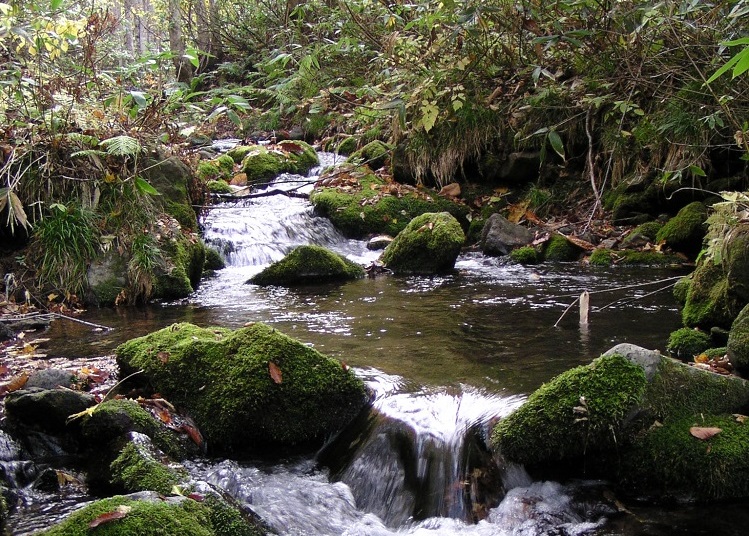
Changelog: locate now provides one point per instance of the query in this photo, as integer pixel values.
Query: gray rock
(46, 409)
(379, 242)
(50, 378)
(500, 236)
(647, 359)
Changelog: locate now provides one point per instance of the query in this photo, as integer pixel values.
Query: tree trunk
(177, 43)
(128, 15)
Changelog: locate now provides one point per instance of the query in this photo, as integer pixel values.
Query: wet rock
(685, 231)
(374, 155)
(309, 265)
(429, 244)
(141, 466)
(520, 167)
(500, 236)
(262, 163)
(627, 417)
(379, 242)
(738, 342)
(46, 409)
(50, 378)
(247, 389)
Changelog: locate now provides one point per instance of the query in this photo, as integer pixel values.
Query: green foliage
(67, 240)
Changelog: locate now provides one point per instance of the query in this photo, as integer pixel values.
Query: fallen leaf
(275, 372)
(740, 418)
(163, 357)
(15, 383)
(196, 497)
(194, 434)
(165, 416)
(450, 190)
(108, 517)
(704, 433)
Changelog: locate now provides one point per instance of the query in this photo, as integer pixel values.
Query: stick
(619, 288)
(82, 321)
(636, 297)
(566, 311)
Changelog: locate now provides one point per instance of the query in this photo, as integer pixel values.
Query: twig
(628, 300)
(266, 193)
(567, 310)
(82, 321)
(626, 287)
(591, 171)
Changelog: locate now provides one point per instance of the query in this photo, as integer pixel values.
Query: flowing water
(446, 356)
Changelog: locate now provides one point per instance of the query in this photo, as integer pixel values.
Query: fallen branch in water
(265, 193)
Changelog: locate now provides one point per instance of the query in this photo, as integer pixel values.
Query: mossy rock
(685, 231)
(681, 290)
(208, 170)
(262, 163)
(347, 145)
(238, 153)
(577, 414)
(628, 257)
(107, 276)
(152, 516)
(366, 205)
(429, 244)
(707, 302)
(172, 178)
(738, 342)
(375, 154)
(648, 229)
(668, 461)
(685, 343)
(309, 265)
(213, 260)
(736, 263)
(634, 201)
(219, 186)
(559, 249)
(525, 255)
(113, 420)
(139, 467)
(248, 388)
(183, 258)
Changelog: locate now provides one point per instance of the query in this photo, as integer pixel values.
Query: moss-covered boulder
(736, 262)
(347, 145)
(628, 257)
(598, 420)
(685, 231)
(375, 154)
(738, 342)
(685, 343)
(429, 244)
(213, 259)
(219, 186)
(559, 249)
(181, 260)
(577, 414)
(359, 203)
(309, 265)
(172, 178)
(262, 162)
(707, 301)
(142, 467)
(525, 255)
(248, 388)
(152, 515)
(642, 235)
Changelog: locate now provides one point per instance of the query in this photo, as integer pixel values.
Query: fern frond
(88, 152)
(122, 146)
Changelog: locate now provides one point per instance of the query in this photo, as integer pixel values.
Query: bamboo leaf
(144, 187)
(556, 143)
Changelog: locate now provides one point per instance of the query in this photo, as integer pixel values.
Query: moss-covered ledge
(360, 203)
(249, 388)
(308, 265)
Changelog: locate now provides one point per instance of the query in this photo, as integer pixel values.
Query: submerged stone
(308, 265)
(429, 244)
(247, 389)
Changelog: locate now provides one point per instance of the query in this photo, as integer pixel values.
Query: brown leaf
(740, 418)
(108, 517)
(163, 357)
(579, 242)
(275, 372)
(194, 434)
(704, 433)
(165, 416)
(14, 384)
(450, 190)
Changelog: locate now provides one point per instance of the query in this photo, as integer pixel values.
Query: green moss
(260, 164)
(681, 289)
(183, 213)
(525, 255)
(144, 518)
(679, 390)
(648, 229)
(223, 379)
(738, 341)
(238, 153)
(370, 208)
(347, 145)
(226, 164)
(300, 156)
(716, 352)
(707, 302)
(208, 170)
(559, 249)
(576, 414)
(374, 154)
(213, 260)
(136, 469)
(668, 460)
(685, 343)
(306, 265)
(219, 187)
(685, 231)
(628, 257)
(228, 521)
(429, 244)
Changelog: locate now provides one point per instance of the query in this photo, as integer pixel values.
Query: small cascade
(423, 455)
(261, 230)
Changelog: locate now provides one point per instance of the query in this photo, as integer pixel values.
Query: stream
(446, 356)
